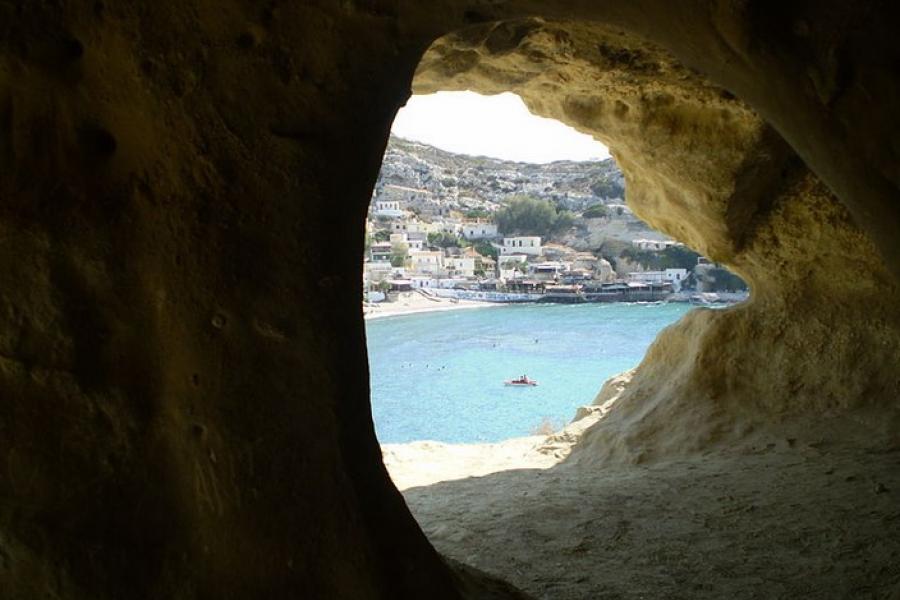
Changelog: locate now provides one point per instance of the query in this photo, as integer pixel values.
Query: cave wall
(704, 167)
(184, 385)
(184, 408)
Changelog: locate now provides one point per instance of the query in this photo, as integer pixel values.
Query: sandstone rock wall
(183, 381)
(703, 167)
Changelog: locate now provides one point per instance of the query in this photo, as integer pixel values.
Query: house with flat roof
(654, 245)
(425, 262)
(380, 251)
(675, 277)
(530, 245)
(387, 208)
(478, 230)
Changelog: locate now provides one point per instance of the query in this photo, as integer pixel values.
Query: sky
(499, 126)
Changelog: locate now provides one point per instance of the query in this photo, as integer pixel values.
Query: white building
(425, 263)
(547, 271)
(419, 282)
(413, 228)
(461, 266)
(506, 265)
(450, 226)
(502, 259)
(674, 276)
(413, 241)
(479, 231)
(387, 208)
(452, 282)
(376, 271)
(530, 245)
(380, 251)
(677, 277)
(653, 245)
(647, 277)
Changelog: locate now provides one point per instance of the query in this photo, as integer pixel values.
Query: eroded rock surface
(703, 167)
(183, 382)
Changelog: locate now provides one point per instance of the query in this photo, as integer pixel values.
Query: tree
(673, 257)
(597, 211)
(382, 235)
(679, 257)
(564, 220)
(398, 254)
(485, 248)
(605, 188)
(476, 213)
(443, 240)
(648, 260)
(527, 215)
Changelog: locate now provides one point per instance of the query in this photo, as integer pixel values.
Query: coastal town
(434, 234)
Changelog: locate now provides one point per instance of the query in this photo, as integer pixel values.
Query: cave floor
(780, 523)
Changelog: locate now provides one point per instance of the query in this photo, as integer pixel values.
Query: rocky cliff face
(183, 377)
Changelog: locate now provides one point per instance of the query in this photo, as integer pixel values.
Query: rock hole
(98, 142)
(73, 48)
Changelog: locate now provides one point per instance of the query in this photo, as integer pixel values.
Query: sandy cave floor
(784, 522)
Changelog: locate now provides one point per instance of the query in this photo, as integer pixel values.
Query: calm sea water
(439, 376)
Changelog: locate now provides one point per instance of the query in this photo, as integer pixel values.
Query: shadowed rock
(171, 189)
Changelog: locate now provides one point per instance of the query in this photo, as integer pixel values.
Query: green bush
(485, 248)
(597, 211)
(673, 257)
(527, 215)
(607, 189)
(398, 254)
(476, 213)
(443, 240)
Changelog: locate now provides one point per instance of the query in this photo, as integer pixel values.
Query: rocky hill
(465, 182)
(437, 182)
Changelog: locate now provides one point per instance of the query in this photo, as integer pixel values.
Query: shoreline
(413, 305)
(422, 305)
(426, 462)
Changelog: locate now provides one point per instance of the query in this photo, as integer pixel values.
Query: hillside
(469, 181)
(436, 182)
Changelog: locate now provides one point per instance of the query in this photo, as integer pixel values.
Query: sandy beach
(790, 521)
(412, 303)
(425, 463)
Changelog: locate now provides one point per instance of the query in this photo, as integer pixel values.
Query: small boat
(521, 381)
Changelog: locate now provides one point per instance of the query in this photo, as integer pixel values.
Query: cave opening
(701, 166)
(185, 398)
(480, 204)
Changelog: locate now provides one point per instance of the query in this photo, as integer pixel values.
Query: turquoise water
(439, 376)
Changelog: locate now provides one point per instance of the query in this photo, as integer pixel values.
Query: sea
(440, 376)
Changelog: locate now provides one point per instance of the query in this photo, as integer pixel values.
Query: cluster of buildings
(431, 229)
(446, 252)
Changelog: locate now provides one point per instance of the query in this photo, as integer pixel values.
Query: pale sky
(499, 126)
